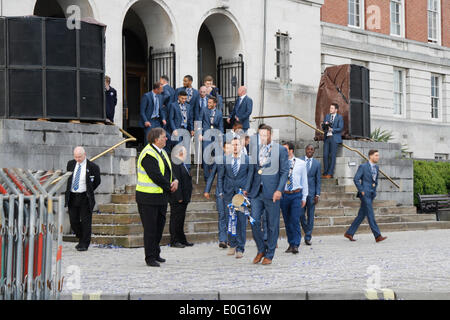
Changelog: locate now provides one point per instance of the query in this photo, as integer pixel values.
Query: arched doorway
(58, 8)
(221, 56)
(148, 53)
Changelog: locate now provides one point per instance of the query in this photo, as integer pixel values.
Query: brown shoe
(349, 237)
(289, 250)
(258, 258)
(266, 261)
(380, 238)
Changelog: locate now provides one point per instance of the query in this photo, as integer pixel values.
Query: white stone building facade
(249, 28)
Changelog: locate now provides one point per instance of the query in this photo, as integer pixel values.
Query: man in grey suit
(264, 186)
(313, 170)
(232, 177)
(366, 181)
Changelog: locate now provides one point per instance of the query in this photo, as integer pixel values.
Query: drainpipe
(263, 84)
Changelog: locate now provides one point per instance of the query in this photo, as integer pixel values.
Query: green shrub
(431, 178)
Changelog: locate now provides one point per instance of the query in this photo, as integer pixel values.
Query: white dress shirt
(299, 178)
(82, 182)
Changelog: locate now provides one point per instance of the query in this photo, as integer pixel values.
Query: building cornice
(317, 3)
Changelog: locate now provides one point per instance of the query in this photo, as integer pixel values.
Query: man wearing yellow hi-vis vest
(154, 184)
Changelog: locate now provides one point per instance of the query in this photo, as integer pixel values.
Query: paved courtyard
(413, 261)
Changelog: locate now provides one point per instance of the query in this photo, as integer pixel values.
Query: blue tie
(374, 173)
(156, 109)
(235, 166)
(290, 181)
(308, 165)
(76, 182)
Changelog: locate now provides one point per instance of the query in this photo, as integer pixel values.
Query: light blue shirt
(299, 178)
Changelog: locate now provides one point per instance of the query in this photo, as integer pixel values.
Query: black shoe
(187, 244)
(177, 245)
(308, 242)
(294, 250)
(77, 246)
(159, 259)
(289, 250)
(152, 263)
(82, 248)
(223, 245)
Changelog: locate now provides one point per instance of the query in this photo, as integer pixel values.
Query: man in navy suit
(242, 109)
(332, 138)
(181, 115)
(211, 118)
(152, 114)
(192, 94)
(313, 170)
(366, 181)
(232, 177)
(264, 186)
(167, 93)
(294, 197)
(212, 90)
(223, 217)
(202, 103)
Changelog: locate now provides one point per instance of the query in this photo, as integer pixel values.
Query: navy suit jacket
(167, 94)
(212, 175)
(205, 118)
(338, 127)
(314, 181)
(227, 182)
(274, 177)
(243, 112)
(147, 107)
(176, 118)
(364, 181)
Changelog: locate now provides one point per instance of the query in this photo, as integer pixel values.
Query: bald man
(242, 109)
(80, 198)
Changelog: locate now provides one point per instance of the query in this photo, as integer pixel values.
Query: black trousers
(80, 215)
(153, 219)
(176, 225)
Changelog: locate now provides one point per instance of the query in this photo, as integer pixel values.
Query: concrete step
(123, 198)
(116, 218)
(118, 230)
(135, 241)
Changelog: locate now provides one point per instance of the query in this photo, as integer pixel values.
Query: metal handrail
(129, 139)
(320, 131)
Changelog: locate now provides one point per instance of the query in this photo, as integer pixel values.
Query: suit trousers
(80, 216)
(329, 155)
(366, 210)
(153, 219)
(291, 207)
(307, 219)
(259, 204)
(155, 123)
(176, 224)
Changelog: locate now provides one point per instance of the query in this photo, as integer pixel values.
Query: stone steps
(136, 241)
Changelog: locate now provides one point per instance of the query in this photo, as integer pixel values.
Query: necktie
(290, 184)
(156, 109)
(76, 181)
(190, 92)
(308, 164)
(213, 114)
(332, 119)
(235, 166)
(184, 114)
(203, 103)
(374, 173)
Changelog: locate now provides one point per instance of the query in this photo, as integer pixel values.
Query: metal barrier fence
(29, 201)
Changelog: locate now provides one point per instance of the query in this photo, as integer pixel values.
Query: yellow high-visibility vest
(144, 183)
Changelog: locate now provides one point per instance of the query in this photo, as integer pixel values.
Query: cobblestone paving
(408, 261)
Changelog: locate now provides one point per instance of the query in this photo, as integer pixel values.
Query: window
(434, 21)
(399, 91)
(355, 16)
(283, 57)
(396, 17)
(441, 156)
(435, 84)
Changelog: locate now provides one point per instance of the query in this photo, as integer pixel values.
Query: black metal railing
(162, 62)
(230, 76)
